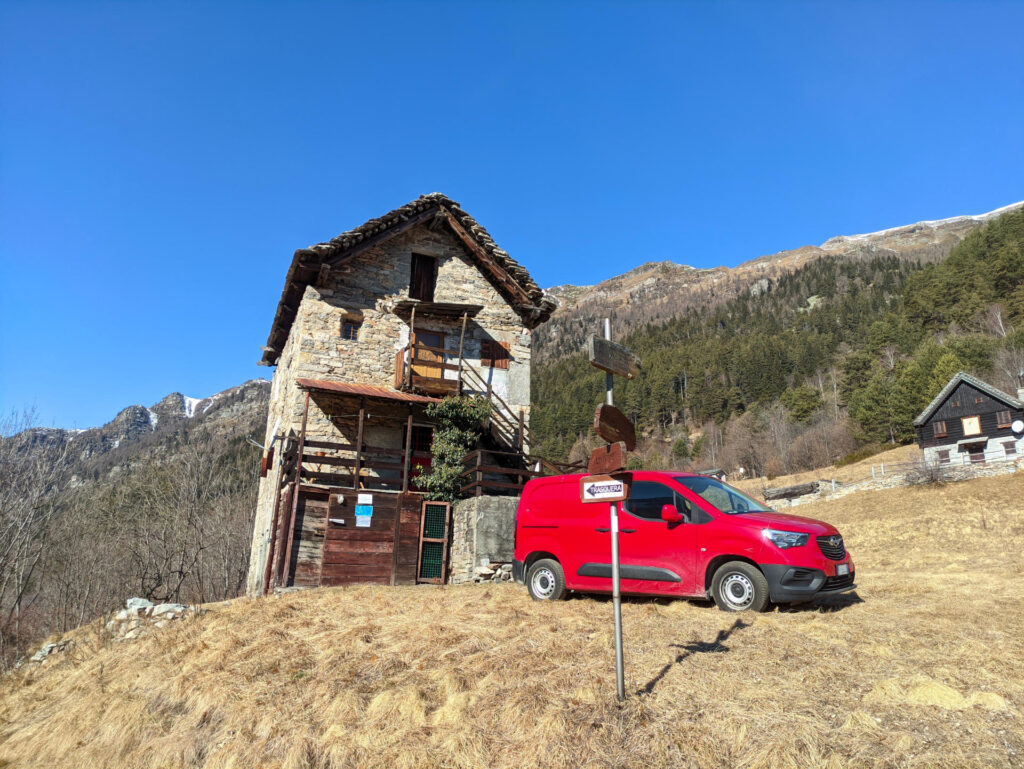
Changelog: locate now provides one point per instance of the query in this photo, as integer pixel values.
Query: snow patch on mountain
(153, 418)
(190, 404)
(837, 242)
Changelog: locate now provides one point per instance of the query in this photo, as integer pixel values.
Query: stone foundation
(483, 540)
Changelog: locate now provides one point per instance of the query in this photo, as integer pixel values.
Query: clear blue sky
(160, 162)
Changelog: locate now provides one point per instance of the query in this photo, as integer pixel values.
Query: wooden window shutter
(939, 430)
(423, 279)
(1003, 419)
(493, 353)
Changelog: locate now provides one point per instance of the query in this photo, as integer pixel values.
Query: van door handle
(628, 531)
(602, 531)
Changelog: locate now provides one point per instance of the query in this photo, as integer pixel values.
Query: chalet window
(494, 354)
(1003, 418)
(944, 457)
(350, 330)
(979, 399)
(955, 404)
(423, 279)
(972, 425)
(1010, 447)
(939, 430)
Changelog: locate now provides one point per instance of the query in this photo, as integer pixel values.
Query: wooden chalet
(971, 422)
(372, 327)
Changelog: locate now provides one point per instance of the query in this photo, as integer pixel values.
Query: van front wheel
(739, 586)
(545, 580)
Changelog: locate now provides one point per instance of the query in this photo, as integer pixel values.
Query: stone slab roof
(953, 383)
(506, 274)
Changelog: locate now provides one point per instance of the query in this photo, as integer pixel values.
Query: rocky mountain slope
(137, 431)
(657, 291)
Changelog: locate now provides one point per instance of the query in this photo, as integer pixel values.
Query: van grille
(832, 546)
(837, 583)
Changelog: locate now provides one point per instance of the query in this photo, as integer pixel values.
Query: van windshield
(725, 498)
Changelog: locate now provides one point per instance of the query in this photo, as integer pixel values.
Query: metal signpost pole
(620, 675)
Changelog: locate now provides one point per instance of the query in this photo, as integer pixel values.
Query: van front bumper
(518, 572)
(791, 584)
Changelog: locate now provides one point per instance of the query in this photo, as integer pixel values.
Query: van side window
(646, 499)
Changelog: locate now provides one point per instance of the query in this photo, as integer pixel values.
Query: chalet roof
(506, 274)
(953, 383)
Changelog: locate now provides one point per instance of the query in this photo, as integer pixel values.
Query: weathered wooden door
(422, 367)
(370, 537)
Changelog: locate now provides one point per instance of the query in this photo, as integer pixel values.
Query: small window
(646, 499)
(350, 330)
(955, 404)
(1010, 447)
(972, 425)
(939, 430)
(944, 457)
(423, 279)
(979, 399)
(1003, 418)
(494, 354)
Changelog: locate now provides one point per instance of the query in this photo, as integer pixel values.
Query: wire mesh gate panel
(434, 525)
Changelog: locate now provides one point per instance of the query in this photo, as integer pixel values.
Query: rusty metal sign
(613, 358)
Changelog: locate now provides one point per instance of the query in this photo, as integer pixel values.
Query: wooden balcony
(419, 368)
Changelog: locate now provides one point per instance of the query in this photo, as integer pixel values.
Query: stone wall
(483, 539)
(366, 290)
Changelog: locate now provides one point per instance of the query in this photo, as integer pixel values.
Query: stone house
(971, 422)
(372, 327)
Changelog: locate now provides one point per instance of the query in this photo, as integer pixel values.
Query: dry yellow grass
(925, 671)
(855, 471)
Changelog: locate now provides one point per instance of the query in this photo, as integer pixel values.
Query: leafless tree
(33, 468)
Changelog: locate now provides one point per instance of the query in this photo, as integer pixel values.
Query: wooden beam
(406, 462)
(269, 570)
(499, 273)
(359, 442)
(295, 495)
(462, 344)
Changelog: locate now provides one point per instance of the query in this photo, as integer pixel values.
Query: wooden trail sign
(612, 425)
(613, 358)
(607, 459)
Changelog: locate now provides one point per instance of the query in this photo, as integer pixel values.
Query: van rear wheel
(545, 580)
(739, 586)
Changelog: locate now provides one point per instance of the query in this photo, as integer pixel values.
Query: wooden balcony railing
(328, 463)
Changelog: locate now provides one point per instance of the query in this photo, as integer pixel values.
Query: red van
(681, 534)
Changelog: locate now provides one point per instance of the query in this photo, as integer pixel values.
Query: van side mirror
(670, 514)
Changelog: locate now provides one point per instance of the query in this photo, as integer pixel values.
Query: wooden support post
(407, 459)
(522, 424)
(412, 348)
(399, 504)
(479, 474)
(359, 444)
(295, 494)
(462, 343)
(273, 532)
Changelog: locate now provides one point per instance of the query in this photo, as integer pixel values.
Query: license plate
(842, 569)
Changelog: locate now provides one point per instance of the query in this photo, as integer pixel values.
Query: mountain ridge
(655, 292)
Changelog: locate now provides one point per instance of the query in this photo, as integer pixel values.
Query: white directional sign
(603, 488)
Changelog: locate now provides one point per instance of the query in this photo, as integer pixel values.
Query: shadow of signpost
(716, 646)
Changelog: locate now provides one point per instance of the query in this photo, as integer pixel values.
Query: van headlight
(786, 539)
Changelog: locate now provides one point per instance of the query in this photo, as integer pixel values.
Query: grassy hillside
(920, 669)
